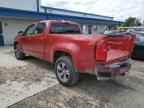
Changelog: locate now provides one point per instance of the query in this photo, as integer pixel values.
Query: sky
(119, 9)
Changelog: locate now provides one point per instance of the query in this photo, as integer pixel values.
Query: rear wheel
(65, 72)
(18, 53)
(123, 74)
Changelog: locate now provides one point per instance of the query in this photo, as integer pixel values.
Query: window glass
(30, 30)
(40, 28)
(139, 38)
(65, 28)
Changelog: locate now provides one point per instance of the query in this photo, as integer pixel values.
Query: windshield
(65, 29)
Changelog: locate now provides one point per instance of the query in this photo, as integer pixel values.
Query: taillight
(101, 50)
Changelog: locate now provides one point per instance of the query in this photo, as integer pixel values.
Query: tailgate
(119, 47)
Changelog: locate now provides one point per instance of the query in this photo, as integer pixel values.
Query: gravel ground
(123, 92)
(22, 79)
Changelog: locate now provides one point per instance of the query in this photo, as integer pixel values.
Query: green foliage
(132, 22)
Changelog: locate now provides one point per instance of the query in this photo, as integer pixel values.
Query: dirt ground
(40, 89)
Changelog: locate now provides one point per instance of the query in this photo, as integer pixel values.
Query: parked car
(63, 44)
(138, 51)
(110, 31)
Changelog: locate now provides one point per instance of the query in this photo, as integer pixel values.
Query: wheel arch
(15, 43)
(60, 53)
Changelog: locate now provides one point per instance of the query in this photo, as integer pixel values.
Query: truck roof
(60, 21)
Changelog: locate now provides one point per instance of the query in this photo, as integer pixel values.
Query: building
(16, 15)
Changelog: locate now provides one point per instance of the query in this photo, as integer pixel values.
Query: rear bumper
(115, 69)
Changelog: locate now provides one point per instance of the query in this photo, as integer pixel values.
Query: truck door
(27, 39)
(38, 41)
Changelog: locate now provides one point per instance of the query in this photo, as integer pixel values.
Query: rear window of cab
(58, 28)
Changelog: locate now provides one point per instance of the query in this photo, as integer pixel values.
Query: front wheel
(65, 72)
(18, 53)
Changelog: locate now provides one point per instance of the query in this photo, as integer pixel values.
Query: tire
(18, 53)
(123, 74)
(65, 72)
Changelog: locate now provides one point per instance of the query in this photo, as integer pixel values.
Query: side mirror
(20, 33)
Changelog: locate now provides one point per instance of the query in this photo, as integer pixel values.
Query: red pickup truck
(63, 44)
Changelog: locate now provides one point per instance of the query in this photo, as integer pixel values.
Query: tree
(132, 22)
